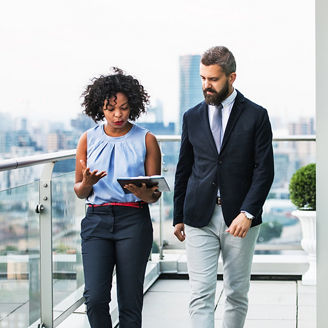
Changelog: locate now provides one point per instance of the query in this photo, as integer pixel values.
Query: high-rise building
(82, 123)
(305, 150)
(154, 113)
(6, 122)
(158, 128)
(304, 126)
(60, 140)
(190, 85)
(157, 109)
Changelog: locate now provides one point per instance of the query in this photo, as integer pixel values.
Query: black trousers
(115, 236)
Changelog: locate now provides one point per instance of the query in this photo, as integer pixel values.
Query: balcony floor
(283, 304)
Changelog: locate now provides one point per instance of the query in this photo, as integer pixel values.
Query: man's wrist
(249, 216)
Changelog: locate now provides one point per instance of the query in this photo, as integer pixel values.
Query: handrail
(300, 137)
(15, 163)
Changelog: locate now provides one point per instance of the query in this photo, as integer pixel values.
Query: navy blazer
(243, 170)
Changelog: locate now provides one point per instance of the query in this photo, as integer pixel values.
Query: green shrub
(302, 188)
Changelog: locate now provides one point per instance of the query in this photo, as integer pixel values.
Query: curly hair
(107, 86)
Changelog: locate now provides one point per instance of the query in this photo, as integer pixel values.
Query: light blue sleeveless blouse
(120, 157)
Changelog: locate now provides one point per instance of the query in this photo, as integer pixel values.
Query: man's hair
(107, 86)
(221, 56)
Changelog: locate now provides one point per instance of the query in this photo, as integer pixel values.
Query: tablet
(150, 181)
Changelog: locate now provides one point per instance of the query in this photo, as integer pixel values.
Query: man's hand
(179, 231)
(240, 226)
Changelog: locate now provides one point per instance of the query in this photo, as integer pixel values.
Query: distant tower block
(190, 85)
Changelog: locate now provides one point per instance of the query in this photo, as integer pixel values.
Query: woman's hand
(90, 178)
(148, 195)
(86, 179)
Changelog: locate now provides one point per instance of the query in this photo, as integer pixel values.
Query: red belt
(129, 204)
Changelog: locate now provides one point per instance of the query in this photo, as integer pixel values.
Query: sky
(50, 51)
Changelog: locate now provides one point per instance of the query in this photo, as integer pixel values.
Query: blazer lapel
(233, 118)
(206, 124)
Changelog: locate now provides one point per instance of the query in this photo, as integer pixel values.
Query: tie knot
(219, 107)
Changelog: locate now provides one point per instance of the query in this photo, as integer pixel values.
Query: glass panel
(67, 213)
(19, 256)
(280, 230)
(154, 209)
(170, 153)
(19, 177)
(279, 226)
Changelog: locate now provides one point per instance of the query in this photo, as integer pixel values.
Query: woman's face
(117, 111)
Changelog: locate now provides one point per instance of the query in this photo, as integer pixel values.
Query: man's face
(216, 85)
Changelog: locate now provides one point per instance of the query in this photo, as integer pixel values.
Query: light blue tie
(217, 127)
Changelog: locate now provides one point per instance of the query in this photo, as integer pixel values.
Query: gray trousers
(203, 246)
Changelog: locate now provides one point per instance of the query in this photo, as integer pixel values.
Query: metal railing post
(161, 209)
(44, 208)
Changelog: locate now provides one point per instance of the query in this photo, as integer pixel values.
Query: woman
(117, 230)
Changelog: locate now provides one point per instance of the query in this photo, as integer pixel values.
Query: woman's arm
(152, 167)
(153, 162)
(84, 178)
(153, 156)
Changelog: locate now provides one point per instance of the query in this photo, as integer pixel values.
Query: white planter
(308, 223)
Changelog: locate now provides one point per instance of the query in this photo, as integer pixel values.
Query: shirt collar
(226, 102)
(230, 99)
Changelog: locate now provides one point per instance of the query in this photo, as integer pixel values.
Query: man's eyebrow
(209, 77)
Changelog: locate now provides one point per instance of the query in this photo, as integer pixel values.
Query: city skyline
(10, 122)
(51, 51)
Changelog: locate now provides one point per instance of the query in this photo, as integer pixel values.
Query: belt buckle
(218, 201)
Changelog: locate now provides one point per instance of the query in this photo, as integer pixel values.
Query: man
(224, 173)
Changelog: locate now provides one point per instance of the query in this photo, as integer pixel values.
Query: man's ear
(232, 77)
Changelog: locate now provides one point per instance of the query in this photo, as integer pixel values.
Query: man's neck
(230, 92)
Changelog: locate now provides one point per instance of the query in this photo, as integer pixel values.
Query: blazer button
(220, 162)
(213, 184)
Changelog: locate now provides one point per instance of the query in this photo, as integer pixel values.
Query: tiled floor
(272, 304)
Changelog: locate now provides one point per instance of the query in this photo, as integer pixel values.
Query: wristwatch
(248, 215)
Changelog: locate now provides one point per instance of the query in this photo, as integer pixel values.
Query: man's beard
(217, 97)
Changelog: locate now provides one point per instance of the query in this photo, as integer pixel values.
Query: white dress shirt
(226, 110)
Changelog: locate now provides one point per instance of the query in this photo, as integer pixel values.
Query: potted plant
(302, 189)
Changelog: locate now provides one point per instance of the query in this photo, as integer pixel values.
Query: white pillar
(322, 159)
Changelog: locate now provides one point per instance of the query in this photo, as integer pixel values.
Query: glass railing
(67, 212)
(44, 284)
(19, 256)
(40, 260)
(280, 231)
